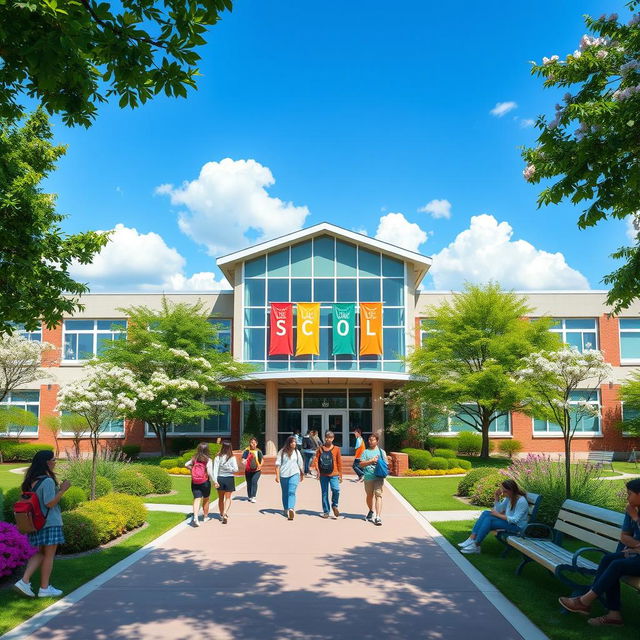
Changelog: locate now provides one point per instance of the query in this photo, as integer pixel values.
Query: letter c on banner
(305, 327)
(342, 327)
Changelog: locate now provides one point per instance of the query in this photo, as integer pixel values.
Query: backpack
(27, 511)
(325, 462)
(307, 443)
(252, 462)
(199, 473)
(382, 468)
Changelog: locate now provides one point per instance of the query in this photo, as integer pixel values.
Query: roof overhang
(344, 378)
(419, 262)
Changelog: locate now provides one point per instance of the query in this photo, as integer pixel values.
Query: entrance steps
(269, 465)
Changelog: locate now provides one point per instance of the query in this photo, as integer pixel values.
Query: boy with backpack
(328, 463)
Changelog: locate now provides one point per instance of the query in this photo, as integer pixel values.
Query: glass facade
(83, 339)
(630, 340)
(581, 333)
(27, 400)
(501, 424)
(324, 270)
(583, 423)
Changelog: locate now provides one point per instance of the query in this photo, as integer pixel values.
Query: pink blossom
(529, 172)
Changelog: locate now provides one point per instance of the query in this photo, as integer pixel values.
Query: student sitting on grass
(510, 513)
(613, 566)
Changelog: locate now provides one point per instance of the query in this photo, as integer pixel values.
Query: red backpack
(27, 511)
(199, 473)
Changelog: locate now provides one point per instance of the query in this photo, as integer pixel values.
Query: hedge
(444, 453)
(159, 478)
(483, 492)
(466, 484)
(72, 497)
(440, 442)
(132, 482)
(13, 451)
(456, 463)
(169, 463)
(132, 506)
(10, 498)
(132, 451)
(418, 458)
(438, 463)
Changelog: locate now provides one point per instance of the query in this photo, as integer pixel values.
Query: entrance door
(323, 420)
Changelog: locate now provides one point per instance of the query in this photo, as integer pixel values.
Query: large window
(581, 333)
(464, 421)
(584, 424)
(324, 270)
(84, 339)
(223, 327)
(629, 340)
(109, 428)
(217, 424)
(27, 400)
(28, 335)
(628, 414)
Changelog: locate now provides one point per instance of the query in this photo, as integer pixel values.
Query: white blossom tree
(551, 378)
(105, 393)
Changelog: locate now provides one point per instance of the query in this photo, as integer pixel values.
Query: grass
(9, 480)
(430, 494)
(536, 591)
(181, 484)
(627, 467)
(69, 574)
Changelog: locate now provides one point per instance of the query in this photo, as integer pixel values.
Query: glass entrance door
(323, 420)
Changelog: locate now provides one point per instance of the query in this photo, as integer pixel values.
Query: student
(298, 437)
(328, 463)
(357, 432)
(289, 473)
(372, 485)
(224, 466)
(510, 513)
(613, 566)
(309, 445)
(253, 463)
(201, 476)
(41, 478)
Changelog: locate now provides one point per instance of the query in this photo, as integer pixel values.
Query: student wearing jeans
(252, 457)
(357, 432)
(373, 486)
(329, 467)
(289, 473)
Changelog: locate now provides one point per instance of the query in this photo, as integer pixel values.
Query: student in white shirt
(224, 466)
(289, 473)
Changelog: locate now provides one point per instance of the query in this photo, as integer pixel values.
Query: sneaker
(325, 515)
(378, 522)
(24, 588)
(465, 543)
(252, 500)
(225, 517)
(194, 522)
(369, 517)
(471, 549)
(290, 514)
(49, 592)
(336, 512)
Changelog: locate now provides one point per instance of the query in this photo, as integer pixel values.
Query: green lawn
(627, 467)
(536, 591)
(430, 494)
(494, 461)
(10, 480)
(181, 484)
(69, 574)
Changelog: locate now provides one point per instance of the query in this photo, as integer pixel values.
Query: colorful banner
(371, 328)
(308, 338)
(344, 329)
(281, 329)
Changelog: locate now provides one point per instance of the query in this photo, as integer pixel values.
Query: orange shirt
(337, 461)
(360, 447)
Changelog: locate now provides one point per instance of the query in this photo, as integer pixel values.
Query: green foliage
(109, 520)
(439, 463)
(10, 498)
(36, 287)
(132, 451)
(443, 443)
(466, 484)
(483, 491)
(470, 444)
(72, 497)
(418, 458)
(587, 154)
(104, 486)
(158, 477)
(1, 505)
(182, 443)
(246, 437)
(15, 420)
(510, 447)
(131, 506)
(71, 56)
(13, 451)
(444, 453)
(630, 396)
(457, 463)
(78, 470)
(132, 482)
(170, 463)
(80, 532)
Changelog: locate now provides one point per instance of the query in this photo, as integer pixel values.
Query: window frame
(22, 405)
(577, 434)
(626, 361)
(492, 434)
(562, 331)
(149, 433)
(95, 333)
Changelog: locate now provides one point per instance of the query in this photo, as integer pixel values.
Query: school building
(325, 315)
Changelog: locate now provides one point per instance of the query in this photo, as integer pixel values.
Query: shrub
(466, 484)
(15, 549)
(14, 451)
(418, 458)
(132, 451)
(78, 471)
(159, 478)
(483, 491)
(469, 444)
(1, 505)
(132, 507)
(179, 471)
(434, 472)
(169, 463)
(438, 463)
(10, 498)
(134, 483)
(440, 442)
(80, 532)
(182, 443)
(444, 453)
(72, 498)
(110, 520)
(456, 463)
(510, 447)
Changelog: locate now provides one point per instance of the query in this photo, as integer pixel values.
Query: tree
(104, 394)
(16, 420)
(589, 150)
(552, 378)
(422, 423)
(172, 355)
(475, 344)
(20, 361)
(71, 423)
(71, 55)
(35, 255)
(630, 395)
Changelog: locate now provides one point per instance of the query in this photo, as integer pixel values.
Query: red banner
(281, 329)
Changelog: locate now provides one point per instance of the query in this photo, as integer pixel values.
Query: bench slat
(605, 529)
(592, 539)
(597, 513)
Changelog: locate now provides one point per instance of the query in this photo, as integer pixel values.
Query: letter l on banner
(370, 328)
(281, 329)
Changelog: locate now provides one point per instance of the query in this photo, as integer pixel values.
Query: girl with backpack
(201, 475)
(373, 478)
(253, 462)
(328, 462)
(310, 443)
(40, 478)
(224, 466)
(289, 473)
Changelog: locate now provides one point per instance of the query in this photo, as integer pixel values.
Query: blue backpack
(382, 468)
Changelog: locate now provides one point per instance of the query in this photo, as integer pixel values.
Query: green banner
(344, 329)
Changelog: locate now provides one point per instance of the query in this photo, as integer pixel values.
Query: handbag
(382, 468)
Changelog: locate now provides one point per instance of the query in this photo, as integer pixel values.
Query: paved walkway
(261, 577)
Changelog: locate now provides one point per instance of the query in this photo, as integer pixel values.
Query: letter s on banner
(281, 329)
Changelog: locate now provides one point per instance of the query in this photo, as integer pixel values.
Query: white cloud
(502, 108)
(527, 122)
(437, 208)
(134, 261)
(396, 229)
(228, 201)
(486, 252)
(632, 230)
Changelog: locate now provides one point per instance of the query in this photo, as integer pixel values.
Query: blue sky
(357, 110)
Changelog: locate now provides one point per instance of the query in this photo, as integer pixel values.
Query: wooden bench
(597, 527)
(502, 534)
(602, 458)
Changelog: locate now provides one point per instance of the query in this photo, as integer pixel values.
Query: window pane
(393, 292)
(85, 346)
(500, 425)
(393, 366)
(346, 363)
(290, 399)
(254, 317)
(346, 290)
(361, 419)
(539, 425)
(393, 343)
(101, 341)
(301, 259)
(278, 290)
(587, 423)
(574, 339)
(70, 351)
(588, 340)
(326, 339)
(393, 317)
(368, 263)
(112, 325)
(327, 399)
(392, 268)
(580, 323)
(323, 257)
(254, 344)
(346, 259)
(369, 290)
(301, 290)
(78, 325)
(25, 396)
(277, 363)
(630, 323)
(254, 293)
(323, 290)
(360, 399)
(630, 345)
(325, 316)
(255, 268)
(289, 421)
(278, 263)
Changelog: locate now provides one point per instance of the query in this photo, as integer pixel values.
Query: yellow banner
(308, 334)
(370, 328)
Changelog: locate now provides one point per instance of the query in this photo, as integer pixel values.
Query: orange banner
(370, 328)
(308, 334)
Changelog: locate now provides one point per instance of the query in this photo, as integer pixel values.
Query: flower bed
(179, 471)
(15, 549)
(434, 472)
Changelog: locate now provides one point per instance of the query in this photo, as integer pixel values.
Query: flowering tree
(551, 378)
(589, 150)
(105, 393)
